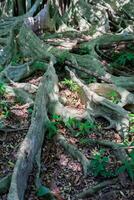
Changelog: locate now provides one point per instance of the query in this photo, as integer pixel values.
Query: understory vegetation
(66, 99)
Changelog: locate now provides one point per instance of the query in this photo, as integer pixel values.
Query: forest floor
(59, 172)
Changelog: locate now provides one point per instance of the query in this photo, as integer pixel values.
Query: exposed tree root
(92, 191)
(90, 47)
(118, 151)
(16, 34)
(23, 92)
(122, 96)
(91, 73)
(33, 140)
(100, 106)
(74, 152)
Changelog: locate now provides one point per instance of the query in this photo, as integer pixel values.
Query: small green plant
(45, 192)
(85, 128)
(16, 59)
(30, 110)
(4, 110)
(92, 80)
(122, 58)
(38, 65)
(128, 166)
(71, 85)
(53, 126)
(80, 128)
(99, 164)
(52, 130)
(131, 120)
(72, 122)
(2, 88)
(113, 96)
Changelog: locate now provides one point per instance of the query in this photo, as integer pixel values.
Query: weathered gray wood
(34, 138)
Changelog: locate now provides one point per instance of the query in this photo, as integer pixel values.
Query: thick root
(92, 191)
(98, 106)
(74, 152)
(117, 95)
(33, 140)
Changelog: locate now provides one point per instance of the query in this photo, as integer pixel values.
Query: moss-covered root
(5, 183)
(74, 152)
(93, 190)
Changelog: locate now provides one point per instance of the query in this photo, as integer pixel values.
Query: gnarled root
(100, 106)
(33, 140)
(74, 152)
(92, 191)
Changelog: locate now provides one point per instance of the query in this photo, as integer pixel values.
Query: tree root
(90, 48)
(23, 93)
(122, 97)
(47, 99)
(27, 87)
(33, 140)
(118, 151)
(74, 152)
(91, 73)
(99, 106)
(92, 191)
(31, 45)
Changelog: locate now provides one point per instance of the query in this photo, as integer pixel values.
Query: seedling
(30, 110)
(99, 164)
(4, 111)
(92, 80)
(131, 120)
(45, 192)
(113, 96)
(80, 128)
(71, 85)
(53, 126)
(73, 123)
(2, 89)
(128, 166)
